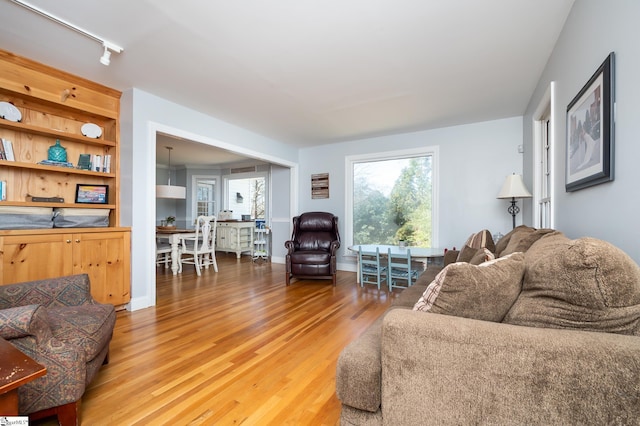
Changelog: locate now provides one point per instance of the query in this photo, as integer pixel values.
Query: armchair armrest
(335, 245)
(73, 290)
(290, 246)
(24, 321)
(464, 371)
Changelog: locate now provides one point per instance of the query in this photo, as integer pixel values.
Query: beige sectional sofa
(547, 333)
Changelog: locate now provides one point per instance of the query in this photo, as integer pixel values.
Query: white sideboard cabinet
(235, 236)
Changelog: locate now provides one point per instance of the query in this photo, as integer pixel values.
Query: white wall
(593, 29)
(474, 161)
(281, 207)
(142, 116)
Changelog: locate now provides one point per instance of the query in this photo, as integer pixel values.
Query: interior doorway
(283, 171)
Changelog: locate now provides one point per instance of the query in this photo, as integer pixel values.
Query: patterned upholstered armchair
(311, 252)
(58, 324)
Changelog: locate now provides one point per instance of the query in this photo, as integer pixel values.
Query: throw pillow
(521, 241)
(502, 243)
(584, 284)
(466, 254)
(480, 240)
(485, 292)
(482, 255)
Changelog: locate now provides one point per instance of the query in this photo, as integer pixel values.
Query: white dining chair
(199, 250)
(163, 253)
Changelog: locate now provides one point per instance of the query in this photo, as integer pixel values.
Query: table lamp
(513, 188)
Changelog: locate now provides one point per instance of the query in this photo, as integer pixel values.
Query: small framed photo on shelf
(84, 162)
(92, 194)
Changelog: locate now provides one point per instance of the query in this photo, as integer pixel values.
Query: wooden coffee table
(16, 369)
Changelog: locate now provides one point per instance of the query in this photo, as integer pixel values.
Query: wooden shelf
(59, 205)
(57, 169)
(55, 134)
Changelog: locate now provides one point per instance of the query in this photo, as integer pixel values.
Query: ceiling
(307, 72)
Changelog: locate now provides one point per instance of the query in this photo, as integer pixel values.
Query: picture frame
(92, 194)
(319, 185)
(590, 131)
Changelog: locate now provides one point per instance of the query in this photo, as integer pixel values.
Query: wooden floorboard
(233, 347)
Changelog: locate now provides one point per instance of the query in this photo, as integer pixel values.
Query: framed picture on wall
(590, 131)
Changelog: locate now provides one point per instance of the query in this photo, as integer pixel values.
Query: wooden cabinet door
(223, 237)
(34, 257)
(232, 241)
(106, 257)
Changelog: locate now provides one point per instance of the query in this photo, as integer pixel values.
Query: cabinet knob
(68, 241)
(78, 240)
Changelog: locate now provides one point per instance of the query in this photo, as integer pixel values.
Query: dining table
(174, 235)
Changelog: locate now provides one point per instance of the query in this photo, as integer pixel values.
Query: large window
(390, 197)
(247, 196)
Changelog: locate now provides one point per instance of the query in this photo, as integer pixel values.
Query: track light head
(105, 59)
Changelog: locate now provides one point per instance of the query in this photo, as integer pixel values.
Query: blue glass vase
(57, 152)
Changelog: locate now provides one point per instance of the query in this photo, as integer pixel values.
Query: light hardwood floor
(236, 347)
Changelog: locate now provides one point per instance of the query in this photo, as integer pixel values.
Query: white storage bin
(25, 217)
(80, 218)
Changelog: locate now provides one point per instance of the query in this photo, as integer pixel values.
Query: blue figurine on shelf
(57, 152)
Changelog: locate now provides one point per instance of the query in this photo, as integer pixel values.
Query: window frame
(350, 160)
(194, 193)
(211, 201)
(544, 176)
(248, 175)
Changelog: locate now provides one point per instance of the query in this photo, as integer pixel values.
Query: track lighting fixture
(109, 47)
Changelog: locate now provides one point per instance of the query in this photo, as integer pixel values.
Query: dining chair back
(371, 270)
(163, 253)
(200, 249)
(400, 272)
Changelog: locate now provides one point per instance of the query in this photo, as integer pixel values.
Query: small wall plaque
(320, 185)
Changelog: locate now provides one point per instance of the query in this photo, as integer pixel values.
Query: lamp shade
(513, 187)
(171, 191)
(168, 191)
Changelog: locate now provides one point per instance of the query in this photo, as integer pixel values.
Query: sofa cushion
(86, 326)
(585, 284)
(504, 241)
(407, 298)
(484, 292)
(521, 241)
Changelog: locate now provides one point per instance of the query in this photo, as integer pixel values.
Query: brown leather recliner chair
(311, 252)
